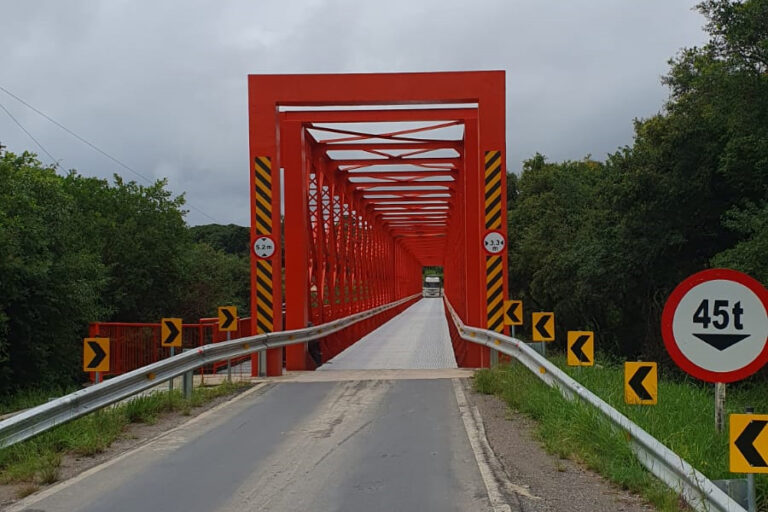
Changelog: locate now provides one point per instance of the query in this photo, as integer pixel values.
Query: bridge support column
(477, 356)
(266, 272)
(297, 230)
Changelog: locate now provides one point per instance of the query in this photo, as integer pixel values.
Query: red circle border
(669, 312)
(489, 253)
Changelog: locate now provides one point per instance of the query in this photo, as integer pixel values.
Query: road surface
(417, 338)
(373, 445)
(374, 431)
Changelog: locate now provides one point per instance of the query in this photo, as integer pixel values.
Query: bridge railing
(43, 417)
(695, 488)
(133, 345)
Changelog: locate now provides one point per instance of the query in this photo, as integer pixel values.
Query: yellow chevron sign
(170, 332)
(543, 325)
(513, 312)
(641, 383)
(96, 355)
(228, 318)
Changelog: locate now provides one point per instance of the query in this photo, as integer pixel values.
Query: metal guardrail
(695, 488)
(43, 417)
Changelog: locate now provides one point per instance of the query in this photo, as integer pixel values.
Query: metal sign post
(751, 494)
(228, 314)
(719, 406)
(170, 336)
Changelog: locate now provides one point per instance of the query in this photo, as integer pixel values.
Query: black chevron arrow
(541, 326)
(512, 312)
(746, 443)
(98, 354)
(578, 347)
(636, 382)
(172, 333)
(721, 341)
(229, 319)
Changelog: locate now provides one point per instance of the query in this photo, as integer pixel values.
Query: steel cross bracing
(383, 174)
(406, 186)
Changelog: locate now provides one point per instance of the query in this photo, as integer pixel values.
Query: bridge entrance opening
(384, 174)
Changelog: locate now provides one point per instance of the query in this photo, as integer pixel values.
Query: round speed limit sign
(715, 325)
(264, 247)
(494, 242)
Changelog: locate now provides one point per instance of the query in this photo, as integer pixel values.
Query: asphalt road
(365, 445)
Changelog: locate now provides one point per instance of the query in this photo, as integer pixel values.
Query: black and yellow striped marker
(262, 172)
(494, 275)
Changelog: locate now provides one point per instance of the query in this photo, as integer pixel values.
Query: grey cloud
(162, 85)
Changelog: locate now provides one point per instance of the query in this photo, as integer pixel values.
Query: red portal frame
(401, 241)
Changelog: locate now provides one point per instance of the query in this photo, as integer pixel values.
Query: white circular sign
(494, 242)
(264, 247)
(715, 326)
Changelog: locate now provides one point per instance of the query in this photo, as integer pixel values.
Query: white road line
(491, 470)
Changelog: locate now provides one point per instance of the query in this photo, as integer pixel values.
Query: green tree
(140, 234)
(51, 279)
(231, 239)
(213, 278)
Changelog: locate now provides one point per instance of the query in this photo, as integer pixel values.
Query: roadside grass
(36, 461)
(683, 420)
(31, 397)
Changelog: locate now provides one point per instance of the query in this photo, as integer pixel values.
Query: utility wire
(53, 160)
(89, 144)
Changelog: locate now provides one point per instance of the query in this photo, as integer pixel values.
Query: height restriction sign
(715, 325)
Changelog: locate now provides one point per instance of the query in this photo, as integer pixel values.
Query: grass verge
(31, 397)
(683, 421)
(36, 461)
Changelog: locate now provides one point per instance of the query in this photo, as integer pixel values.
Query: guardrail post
(187, 383)
(263, 363)
(229, 361)
(170, 381)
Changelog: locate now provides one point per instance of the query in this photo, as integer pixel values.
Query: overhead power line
(53, 160)
(86, 142)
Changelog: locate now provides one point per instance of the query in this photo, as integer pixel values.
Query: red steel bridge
(382, 174)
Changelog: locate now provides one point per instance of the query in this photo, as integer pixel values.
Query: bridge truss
(382, 174)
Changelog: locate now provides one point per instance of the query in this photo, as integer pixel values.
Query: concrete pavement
(374, 445)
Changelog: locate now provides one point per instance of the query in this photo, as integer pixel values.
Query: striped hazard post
(494, 242)
(264, 245)
(264, 310)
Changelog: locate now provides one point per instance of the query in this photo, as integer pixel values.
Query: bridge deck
(415, 339)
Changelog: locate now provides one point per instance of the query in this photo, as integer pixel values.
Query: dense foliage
(76, 249)
(603, 243)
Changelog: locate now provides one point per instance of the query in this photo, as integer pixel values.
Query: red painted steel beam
(454, 162)
(404, 146)
(420, 173)
(373, 116)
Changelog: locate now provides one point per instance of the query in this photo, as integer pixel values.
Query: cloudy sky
(161, 85)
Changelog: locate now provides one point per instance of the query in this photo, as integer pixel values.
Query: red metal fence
(134, 345)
